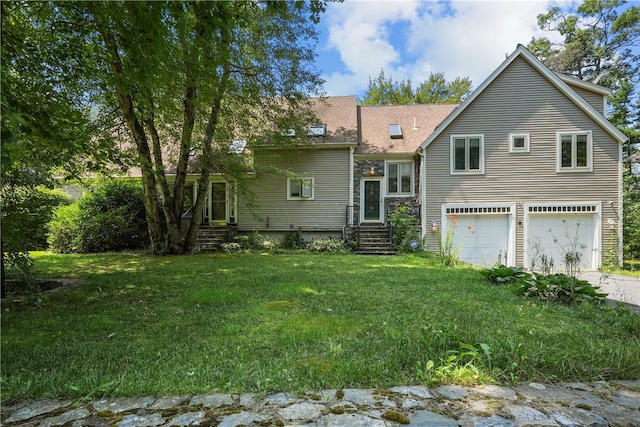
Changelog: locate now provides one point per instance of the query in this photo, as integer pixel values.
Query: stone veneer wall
(362, 168)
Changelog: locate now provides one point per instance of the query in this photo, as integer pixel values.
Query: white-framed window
(574, 151)
(519, 142)
(467, 154)
(300, 189)
(400, 178)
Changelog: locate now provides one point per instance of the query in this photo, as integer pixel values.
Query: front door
(219, 202)
(371, 201)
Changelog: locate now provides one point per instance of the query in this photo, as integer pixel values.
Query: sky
(409, 39)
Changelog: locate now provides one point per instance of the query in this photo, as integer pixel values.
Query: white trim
(573, 169)
(311, 182)
(381, 181)
(351, 189)
(556, 208)
(452, 170)
(527, 143)
(399, 163)
(563, 87)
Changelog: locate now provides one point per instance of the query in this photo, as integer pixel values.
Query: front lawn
(143, 325)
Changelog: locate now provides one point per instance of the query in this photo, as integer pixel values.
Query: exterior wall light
(434, 226)
(371, 171)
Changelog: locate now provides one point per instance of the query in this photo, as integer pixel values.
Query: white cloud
(461, 38)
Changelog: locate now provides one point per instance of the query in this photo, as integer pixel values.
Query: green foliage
(448, 251)
(405, 232)
(559, 288)
(110, 219)
(631, 217)
(292, 240)
(503, 275)
(434, 90)
(327, 245)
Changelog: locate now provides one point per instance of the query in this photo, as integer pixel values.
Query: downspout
(620, 208)
(351, 168)
(423, 190)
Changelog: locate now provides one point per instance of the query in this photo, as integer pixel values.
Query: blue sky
(410, 39)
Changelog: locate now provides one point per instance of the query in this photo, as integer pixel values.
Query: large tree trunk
(152, 209)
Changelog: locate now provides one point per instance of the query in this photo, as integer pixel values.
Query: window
(300, 189)
(467, 154)
(288, 132)
(574, 152)
(519, 143)
(317, 130)
(400, 178)
(395, 131)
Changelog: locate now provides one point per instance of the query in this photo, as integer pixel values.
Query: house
(526, 171)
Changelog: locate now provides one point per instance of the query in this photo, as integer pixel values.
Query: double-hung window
(400, 178)
(574, 151)
(467, 154)
(300, 189)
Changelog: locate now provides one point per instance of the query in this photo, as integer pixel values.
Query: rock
(242, 419)
(141, 421)
(359, 397)
(302, 411)
(493, 421)
(420, 392)
(431, 419)
(453, 392)
(496, 392)
(279, 399)
(529, 417)
(211, 400)
(188, 419)
(576, 417)
(349, 420)
(124, 404)
(168, 402)
(34, 409)
(67, 417)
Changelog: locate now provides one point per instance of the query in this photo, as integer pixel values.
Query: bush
(502, 275)
(327, 245)
(405, 234)
(293, 240)
(110, 219)
(560, 288)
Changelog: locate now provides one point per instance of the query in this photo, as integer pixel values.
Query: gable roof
(553, 78)
(416, 121)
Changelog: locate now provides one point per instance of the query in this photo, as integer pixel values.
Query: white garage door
(565, 234)
(481, 233)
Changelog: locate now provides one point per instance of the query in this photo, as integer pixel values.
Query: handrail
(187, 212)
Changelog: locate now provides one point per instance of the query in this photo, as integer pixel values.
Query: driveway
(619, 288)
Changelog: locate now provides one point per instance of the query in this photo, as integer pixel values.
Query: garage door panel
(483, 239)
(556, 235)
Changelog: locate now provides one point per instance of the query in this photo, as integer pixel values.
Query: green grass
(143, 325)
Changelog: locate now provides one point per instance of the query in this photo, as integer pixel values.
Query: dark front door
(219, 201)
(371, 201)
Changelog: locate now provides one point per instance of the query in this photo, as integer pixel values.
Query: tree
(187, 78)
(45, 120)
(434, 90)
(597, 43)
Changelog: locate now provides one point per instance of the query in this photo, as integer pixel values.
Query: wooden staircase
(374, 240)
(210, 238)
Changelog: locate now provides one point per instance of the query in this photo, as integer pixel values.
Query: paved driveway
(619, 288)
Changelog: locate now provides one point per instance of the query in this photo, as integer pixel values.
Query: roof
(417, 122)
(339, 114)
(553, 78)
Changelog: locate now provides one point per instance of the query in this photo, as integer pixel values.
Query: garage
(484, 233)
(567, 234)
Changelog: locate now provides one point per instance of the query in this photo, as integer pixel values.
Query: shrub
(293, 240)
(405, 234)
(559, 288)
(110, 219)
(502, 275)
(327, 245)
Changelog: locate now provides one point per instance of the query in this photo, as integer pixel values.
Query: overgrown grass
(143, 325)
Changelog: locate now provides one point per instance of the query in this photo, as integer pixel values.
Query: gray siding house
(526, 167)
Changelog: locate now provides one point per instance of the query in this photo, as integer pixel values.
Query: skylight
(237, 146)
(317, 130)
(395, 131)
